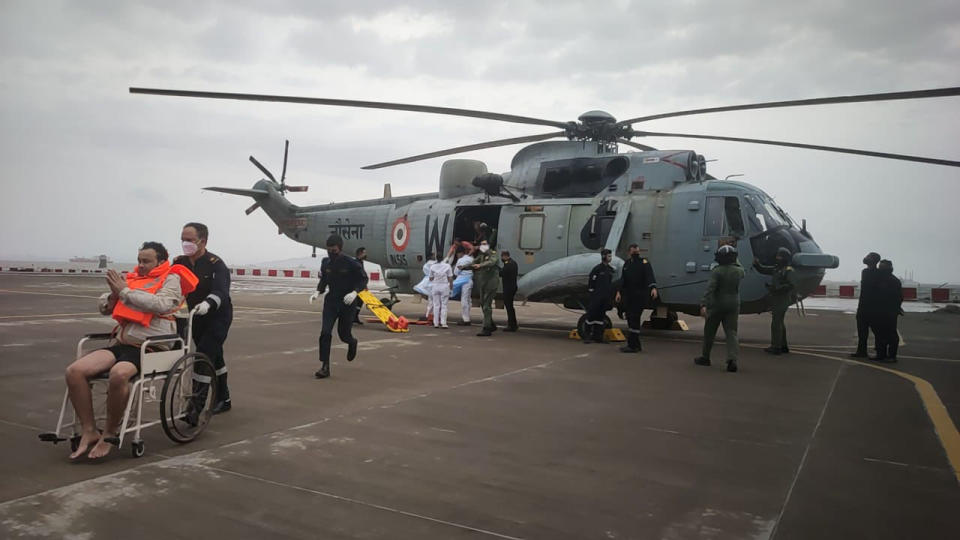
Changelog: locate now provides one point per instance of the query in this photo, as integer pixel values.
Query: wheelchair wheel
(189, 393)
(137, 449)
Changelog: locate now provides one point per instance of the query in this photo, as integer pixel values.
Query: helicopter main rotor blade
(262, 169)
(286, 148)
(353, 103)
(636, 145)
(469, 147)
(901, 157)
(862, 98)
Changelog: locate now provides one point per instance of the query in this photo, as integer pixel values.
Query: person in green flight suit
(486, 276)
(721, 305)
(783, 292)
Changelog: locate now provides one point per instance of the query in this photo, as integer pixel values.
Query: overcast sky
(89, 168)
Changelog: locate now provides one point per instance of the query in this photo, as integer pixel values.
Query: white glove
(349, 297)
(315, 296)
(202, 308)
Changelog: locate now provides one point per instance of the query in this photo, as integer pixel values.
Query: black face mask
(635, 256)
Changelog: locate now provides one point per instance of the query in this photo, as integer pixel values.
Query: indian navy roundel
(400, 235)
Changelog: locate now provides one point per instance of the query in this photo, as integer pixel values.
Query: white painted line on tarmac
(806, 452)
(16, 424)
(906, 465)
(47, 293)
(47, 315)
(363, 503)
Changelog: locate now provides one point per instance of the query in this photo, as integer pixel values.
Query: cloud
(74, 139)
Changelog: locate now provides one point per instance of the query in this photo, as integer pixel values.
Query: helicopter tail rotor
(282, 184)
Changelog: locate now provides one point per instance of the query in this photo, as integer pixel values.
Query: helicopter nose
(809, 255)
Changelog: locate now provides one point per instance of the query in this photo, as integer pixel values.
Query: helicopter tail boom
(255, 193)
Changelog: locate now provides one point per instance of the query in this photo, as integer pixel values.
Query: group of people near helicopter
(143, 303)
(470, 265)
(879, 305)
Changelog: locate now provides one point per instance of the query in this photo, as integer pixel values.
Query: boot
(223, 396)
(629, 349)
(324, 370)
(732, 366)
(772, 350)
(859, 354)
(701, 361)
(352, 350)
(486, 332)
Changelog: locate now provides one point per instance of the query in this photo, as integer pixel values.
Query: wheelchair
(180, 379)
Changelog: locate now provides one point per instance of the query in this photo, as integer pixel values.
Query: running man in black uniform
(345, 277)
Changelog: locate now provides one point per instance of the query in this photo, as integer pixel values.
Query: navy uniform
(358, 304)
(889, 306)
(783, 293)
(636, 284)
(867, 303)
(508, 276)
(601, 289)
(343, 275)
(210, 330)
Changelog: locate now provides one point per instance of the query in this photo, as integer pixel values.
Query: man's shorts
(125, 353)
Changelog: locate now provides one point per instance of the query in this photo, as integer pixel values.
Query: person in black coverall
(638, 289)
(345, 277)
(508, 277)
(600, 287)
(212, 298)
(889, 302)
(361, 256)
(867, 303)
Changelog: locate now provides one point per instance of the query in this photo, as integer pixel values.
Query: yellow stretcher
(381, 311)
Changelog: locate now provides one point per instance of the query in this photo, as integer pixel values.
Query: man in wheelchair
(143, 304)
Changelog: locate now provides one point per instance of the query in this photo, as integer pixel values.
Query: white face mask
(484, 249)
(189, 248)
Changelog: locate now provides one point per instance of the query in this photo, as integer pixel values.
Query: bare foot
(86, 441)
(101, 449)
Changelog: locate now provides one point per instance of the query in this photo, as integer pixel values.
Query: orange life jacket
(151, 283)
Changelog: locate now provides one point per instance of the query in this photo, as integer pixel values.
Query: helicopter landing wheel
(664, 323)
(582, 324)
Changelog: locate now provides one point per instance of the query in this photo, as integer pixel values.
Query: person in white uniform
(464, 271)
(441, 277)
(424, 286)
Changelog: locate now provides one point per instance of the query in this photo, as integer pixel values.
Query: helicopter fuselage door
(534, 234)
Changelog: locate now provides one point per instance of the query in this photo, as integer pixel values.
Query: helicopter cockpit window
(763, 214)
(722, 217)
(731, 207)
(713, 223)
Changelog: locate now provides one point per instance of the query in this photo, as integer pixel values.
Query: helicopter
(562, 201)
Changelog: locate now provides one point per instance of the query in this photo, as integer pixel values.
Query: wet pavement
(442, 434)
